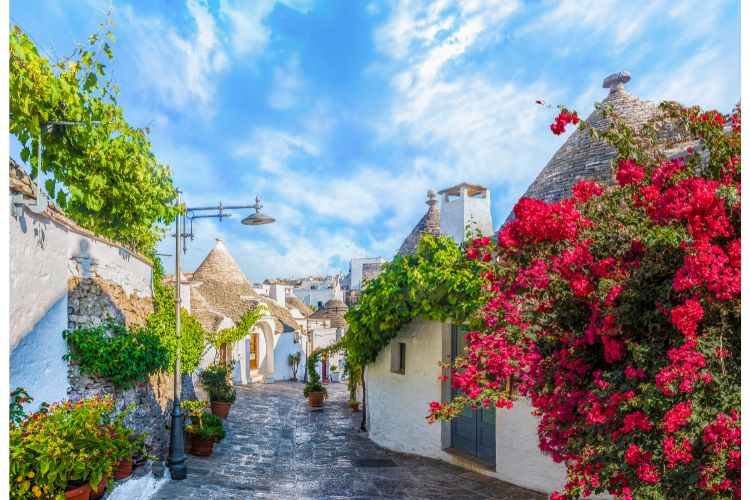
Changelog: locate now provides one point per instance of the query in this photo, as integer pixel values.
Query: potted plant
(294, 361)
(63, 450)
(315, 393)
(335, 374)
(129, 445)
(205, 429)
(314, 390)
(353, 404)
(215, 381)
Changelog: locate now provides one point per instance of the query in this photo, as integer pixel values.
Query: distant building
(326, 326)
(361, 270)
(315, 291)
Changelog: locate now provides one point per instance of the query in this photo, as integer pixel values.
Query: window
(320, 304)
(398, 357)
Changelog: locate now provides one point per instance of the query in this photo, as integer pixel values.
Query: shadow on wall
(36, 362)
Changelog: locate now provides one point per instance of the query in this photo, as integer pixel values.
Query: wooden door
(472, 432)
(253, 354)
(324, 363)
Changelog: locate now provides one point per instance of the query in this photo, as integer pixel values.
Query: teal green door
(472, 432)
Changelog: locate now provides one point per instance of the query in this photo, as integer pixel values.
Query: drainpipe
(362, 425)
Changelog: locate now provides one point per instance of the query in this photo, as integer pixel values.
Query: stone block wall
(63, 276)
(92, 301)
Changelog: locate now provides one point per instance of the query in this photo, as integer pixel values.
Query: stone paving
(279, 447)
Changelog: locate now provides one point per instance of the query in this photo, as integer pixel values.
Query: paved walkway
(278, 447)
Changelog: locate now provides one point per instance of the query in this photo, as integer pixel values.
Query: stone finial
(431, 194)
(616, 81)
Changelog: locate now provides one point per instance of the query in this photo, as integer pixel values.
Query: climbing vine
(103, 176)
(436, 284)
(229, 336)
(162, 323)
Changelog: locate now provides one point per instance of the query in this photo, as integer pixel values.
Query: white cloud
(181, 69)
(288, 83)
(271, 148)
(249, 34)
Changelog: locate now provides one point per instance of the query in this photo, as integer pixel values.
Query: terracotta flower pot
(354, 407)
(221, 410)
(316, 398)
(99, 489)
(294, 379)
(123, 469)
(201, 447)
(80, 493)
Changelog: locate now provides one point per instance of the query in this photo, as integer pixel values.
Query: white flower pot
(335, 376)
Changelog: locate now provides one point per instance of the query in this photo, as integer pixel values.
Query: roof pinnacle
(616, 81)
(431, 194)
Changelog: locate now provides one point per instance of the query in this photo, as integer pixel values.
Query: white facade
(398, 403)
(463, 208)
(316, 291)
(355, 270)
(46, 251)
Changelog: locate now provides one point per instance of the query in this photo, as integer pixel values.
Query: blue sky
(342, 114)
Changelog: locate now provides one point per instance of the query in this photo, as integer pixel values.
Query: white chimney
(276, 292)
(465, 205)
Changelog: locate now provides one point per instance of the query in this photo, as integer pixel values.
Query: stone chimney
(463, 208)
(616, 81)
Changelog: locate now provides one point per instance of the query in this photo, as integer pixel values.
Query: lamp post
(176, 458)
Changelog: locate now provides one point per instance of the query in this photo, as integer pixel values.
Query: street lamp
(176, 458)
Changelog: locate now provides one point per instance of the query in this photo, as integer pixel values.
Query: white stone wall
(313, 297)
(398, 404)
(44, 255)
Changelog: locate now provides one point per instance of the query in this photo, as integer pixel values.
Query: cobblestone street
(278, 447)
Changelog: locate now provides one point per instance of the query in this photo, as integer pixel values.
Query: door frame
(254, 346)
(482, 445)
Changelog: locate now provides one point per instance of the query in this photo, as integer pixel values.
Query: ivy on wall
(435, 284)
(111, 351)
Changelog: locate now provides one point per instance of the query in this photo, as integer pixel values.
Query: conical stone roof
(429, 224)
(583, 157)
(220, 266)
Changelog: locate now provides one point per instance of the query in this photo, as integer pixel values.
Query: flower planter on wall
(316, 399)
(221, 410)
(201, 447)
(123, 469)
(83, 492)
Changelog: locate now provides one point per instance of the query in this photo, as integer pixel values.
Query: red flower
(687, 316)
(677, 417)
(628, 172)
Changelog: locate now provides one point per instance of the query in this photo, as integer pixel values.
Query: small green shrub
(215, 381)
(315, 386)
(110, 351)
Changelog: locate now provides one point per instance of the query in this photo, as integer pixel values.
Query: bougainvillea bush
(617, 312)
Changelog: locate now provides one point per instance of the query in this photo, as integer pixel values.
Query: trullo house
(404, 378)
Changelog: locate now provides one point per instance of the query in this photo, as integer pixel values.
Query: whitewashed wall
(398, 404)
(284, 347)
(44, 255)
